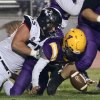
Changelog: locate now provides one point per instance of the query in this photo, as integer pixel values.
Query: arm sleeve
(37, 69)
(70, 7)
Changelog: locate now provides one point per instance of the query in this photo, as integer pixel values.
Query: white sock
(7, 86)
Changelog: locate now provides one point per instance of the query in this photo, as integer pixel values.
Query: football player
(90, 16)
(82, 64)
(71, 8)
(26, 41)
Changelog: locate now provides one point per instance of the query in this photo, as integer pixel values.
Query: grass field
(64, 92)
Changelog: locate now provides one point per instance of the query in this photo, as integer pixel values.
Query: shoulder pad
(27, 20)
(50, 49)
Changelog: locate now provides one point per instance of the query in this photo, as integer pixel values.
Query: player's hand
(35, 90)
(35, 53)
(37, 56)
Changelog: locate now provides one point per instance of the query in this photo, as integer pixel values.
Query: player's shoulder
(28, 18)
(52, 40)
(29, 21)
(51, 48)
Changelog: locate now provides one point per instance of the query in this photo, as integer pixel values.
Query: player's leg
(59, 78)
(24, 78)
(4, 74)
(7, 86)
(98, 42)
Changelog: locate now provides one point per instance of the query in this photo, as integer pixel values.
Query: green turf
(65, 91)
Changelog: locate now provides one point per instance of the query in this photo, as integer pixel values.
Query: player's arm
(90, 15)
(40, 65)
(21, 37)
(42, 62)
(88, 10)
(71, 8)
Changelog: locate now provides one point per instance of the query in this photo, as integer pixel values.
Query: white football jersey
(13, 60)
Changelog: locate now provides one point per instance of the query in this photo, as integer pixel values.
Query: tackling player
(26, 41)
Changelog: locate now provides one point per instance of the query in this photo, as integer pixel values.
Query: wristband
(98, 18)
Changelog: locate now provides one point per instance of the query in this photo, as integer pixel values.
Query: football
(78, 81)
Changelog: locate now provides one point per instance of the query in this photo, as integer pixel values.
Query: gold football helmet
(75, 40)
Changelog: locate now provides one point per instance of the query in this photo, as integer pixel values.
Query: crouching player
(84, 60)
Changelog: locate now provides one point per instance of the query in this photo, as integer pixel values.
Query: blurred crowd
(37, 5)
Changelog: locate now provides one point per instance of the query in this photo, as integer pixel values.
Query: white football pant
(4, 75)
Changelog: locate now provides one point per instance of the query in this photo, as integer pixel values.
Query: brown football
(78, 81)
